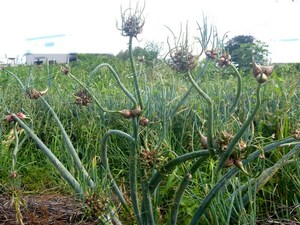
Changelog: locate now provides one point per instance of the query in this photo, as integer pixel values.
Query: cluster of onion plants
(148, 168)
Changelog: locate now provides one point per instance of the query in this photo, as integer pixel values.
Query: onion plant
(147, 166)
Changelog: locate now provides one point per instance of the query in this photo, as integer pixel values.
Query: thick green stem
(239, 89)
(114, 73)
(180, 191)
(133, 171)
(147, 202)
(104, 160)
(14, 158)
(70, 146)
(171, 165)
(135, 78)
(221, 183)
(19, 81)
(201, 72)
(55, 162)
(210, 114)
(240, 133)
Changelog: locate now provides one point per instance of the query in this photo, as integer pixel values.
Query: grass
(86, 126)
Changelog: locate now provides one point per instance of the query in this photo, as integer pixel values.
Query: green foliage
(150, 52)
(244, 48)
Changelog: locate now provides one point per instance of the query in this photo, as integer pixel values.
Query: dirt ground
(43, 210)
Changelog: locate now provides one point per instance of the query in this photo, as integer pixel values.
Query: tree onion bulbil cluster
(148, 168)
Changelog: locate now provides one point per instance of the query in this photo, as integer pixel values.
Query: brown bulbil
(256, 70)
(65, 69)
(224, 60)
(9, 118)
(144, 122)
(229, 162)
(261, 78)
(212, 54)
(136, 112)
(261, 73)
(126, 113)
(296, 134)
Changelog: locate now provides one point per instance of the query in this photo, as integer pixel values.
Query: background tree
(243, 48)
(150, 52)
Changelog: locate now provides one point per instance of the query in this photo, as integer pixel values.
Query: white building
(51, 58)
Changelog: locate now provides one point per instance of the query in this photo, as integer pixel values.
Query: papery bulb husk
(256, 70)
(239, 164)
(203, 141)
(242, 144)
(43, 92)
(268, 70)
(225, 137)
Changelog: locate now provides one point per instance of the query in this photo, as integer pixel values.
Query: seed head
(182, 60)
(83, 98)
(132, 22)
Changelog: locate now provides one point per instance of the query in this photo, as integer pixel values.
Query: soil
(44, 210)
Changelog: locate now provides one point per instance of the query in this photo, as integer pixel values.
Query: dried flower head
(141, 59)
(83, 98)
(224, 60)
(223, 140)
(261, 73)
(34, 94)
(149, 157)
(65, 69)
(212, 54)
(132, 22)
(96, 204)
(182, 60)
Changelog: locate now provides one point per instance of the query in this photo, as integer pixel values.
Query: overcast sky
(90, 25)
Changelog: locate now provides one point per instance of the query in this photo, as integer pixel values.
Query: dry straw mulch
(44, 210)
